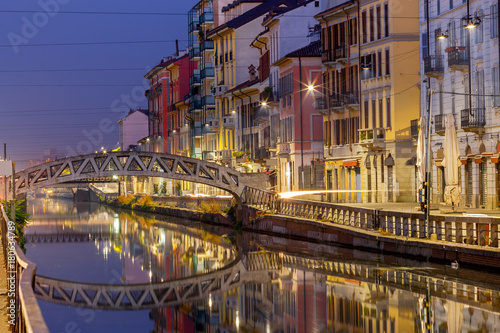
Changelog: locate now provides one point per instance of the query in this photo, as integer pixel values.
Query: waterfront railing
(28, 316)
(471, 230)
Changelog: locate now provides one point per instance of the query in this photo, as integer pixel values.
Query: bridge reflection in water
(263, 290)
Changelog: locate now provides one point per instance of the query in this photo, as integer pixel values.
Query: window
(374, 113)
(451, 34)
(438, 6)
(380, 114)
(451, 4)
(363, 24)
(387, 63)
(494, 21)
(372, 26)
(479, 28)
(425, 47)
(441, 103)
(480, 89)
(386, 20)
(496, 86)
(466, 90)
(379, 56)
(366, 114)
(388, 111)
(379, 22)
(374, 65)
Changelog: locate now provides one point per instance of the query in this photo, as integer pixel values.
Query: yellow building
(370, 94)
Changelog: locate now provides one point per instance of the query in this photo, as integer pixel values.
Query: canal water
(309, 288)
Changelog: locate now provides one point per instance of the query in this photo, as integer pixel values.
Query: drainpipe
(301, 125)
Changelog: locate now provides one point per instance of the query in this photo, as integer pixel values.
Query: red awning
(350, 163)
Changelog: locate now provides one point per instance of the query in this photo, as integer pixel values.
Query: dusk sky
(70, 96)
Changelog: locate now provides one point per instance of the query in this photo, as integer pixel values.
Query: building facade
(133, 128)
(368, 99)
(460, 55)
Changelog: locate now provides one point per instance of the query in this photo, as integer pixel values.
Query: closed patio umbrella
(421, 151)
(451, 162)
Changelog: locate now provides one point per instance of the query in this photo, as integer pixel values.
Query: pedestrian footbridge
(108, 167)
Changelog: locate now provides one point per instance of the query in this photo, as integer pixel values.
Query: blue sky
(77, 111)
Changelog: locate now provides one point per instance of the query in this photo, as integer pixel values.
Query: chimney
(176, 47)
(252, 72)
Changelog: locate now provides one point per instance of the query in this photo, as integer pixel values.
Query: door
(390, 183)
(358, 184)
(329, 185)
(468, 175)
(483, 182)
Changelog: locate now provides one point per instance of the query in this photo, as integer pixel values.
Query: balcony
(433, 66)
(261, 153)
(458, 58)
(208, 155)
(207, 45)
(194, 26)
(207, 73)
(473, 120)
(194, 52)
(223, 155)
(439, 125)
(321, 106)
(208, 101)
(414, 128)
(339, 54)
(195, 79)
(261, 114)
(195, 104)
(284, 149)
(220, 89)
(212, 125)
(228, 122)
(207, 17)
(338, 100)
(372, 138)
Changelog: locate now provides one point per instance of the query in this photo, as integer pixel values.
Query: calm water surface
(311, 288)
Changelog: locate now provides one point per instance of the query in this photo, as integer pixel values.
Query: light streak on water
(292, 194)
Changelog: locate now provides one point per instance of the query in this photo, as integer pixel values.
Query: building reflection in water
(295, 300)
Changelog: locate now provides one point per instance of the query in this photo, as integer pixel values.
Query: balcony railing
(207, 72)
(195, 104)
(335, 54)
(439, 125)
(414, 128)
(195, 79)
(283, 148)
(207, 45)
(433, 65)
(473, 119)
(261, 153)
(194, 26)
(228, 121)
(369, 136)
(194, 52)
(208, 155)
(320, 105)
(458, 58)
(343, 99)
(207, 17)
(208, 100)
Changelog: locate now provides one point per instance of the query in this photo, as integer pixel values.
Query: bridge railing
(28, 316)
(471, 230)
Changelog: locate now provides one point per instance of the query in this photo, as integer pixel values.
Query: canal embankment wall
(323, 232)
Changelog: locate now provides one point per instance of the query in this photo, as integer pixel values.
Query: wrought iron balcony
(321, 106)
(439, 125)
(343, 99)
(334, 55)
(433, 65)
(414, 128)
(458, 58)
(473, 120)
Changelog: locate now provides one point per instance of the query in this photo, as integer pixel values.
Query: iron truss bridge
(260, 267)
(102, 167)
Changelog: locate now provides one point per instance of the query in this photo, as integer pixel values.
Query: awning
(350, 163)
(494, 159)
(438, 162)
(478, 159)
